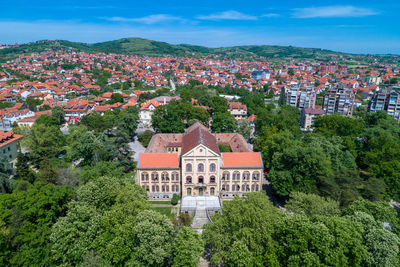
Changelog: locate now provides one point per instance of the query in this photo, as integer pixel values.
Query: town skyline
(352, 27)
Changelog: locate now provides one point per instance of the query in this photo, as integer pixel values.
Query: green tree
(187, 248)
(48, 172)
(145, 137)
(218, 104)
(22, 169)
(58, 113)
(245, 129)
(5, 174)
(153, 233)
(224, 123)
(47, 120)
(29, 213)
(239, 255)
(297, 169)
(311, 204)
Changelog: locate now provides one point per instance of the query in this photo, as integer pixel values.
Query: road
(137, 147)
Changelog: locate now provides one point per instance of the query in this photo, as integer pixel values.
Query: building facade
(9, 144)
(191, 164)
(339, 100)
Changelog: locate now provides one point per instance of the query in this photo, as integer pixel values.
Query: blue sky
(350, 26)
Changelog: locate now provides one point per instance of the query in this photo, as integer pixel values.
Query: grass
(165, 210)
(160, 201)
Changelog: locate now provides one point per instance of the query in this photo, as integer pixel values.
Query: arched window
(144, 176)
(223, 187)
(189, 179)
(225, 176)
(256, 176)
(212, 167)
(164, 177)
(227, 187)
(257, 187)
(236, 176)
(167, 188)
(153, 188)
(237, 187)
(246, 176)
(200, 167)
(212, 179)
(175, 176)
(212, 191)
(189, 191)
(252, 187)
(201, 179)
(157, 188)
(247, 188)
(243, 188)
(188, 167)
(154, 177)
(173, 188)
(177, 188)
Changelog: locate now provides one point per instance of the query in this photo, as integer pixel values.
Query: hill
(139, 46)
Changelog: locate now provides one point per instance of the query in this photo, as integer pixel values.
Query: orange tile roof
(242, 159)
(158, 161)
(8, 137)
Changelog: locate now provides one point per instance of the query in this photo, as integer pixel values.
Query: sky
(348, 26)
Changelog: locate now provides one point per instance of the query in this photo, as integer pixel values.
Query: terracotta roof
(8, 137)
(158, 160)
(242, 160)
(198, 135)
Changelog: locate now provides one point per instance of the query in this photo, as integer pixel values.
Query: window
(243, 188)
(225, 176)
(212, 167)
(175, 176)
(246, 176)
(188, 167)
(177, 188)
(227, 187)
(189, 191)
(145, 176)
(163, 188)
(173, 188)
(257, 187)
(252, 187)
(153, 189)
(200, 167)
(212, 191)
(154, 177)
(157, 188)
(167, 188)
(256, 176)
(223, 187)
(189, 180)
(165, 177)
(212, 179)
(201, 180)
(236, 176)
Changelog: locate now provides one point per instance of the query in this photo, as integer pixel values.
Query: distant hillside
(138, 46)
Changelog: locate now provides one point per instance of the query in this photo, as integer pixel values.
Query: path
(136, 147)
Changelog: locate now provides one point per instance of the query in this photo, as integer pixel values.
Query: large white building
(191, 164)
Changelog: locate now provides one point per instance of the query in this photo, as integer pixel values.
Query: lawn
(160, 202)
(165, 210)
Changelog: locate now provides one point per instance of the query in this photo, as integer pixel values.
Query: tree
(22, 170)
(29, 213)
(297, 169)
(44, 141)
(311, 204)
(5, 173)
(224, 123)
(218, 104)
(103, 168)
(153, 235)
(187, 248)
(282, 97)
(145, 137)
(47, 172)
(251, 220)
(116, 98)
(47, 120)
(239, 255)
(245, 129)
(58, 113)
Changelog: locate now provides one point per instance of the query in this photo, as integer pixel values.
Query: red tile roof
(8, 137)
(158, 160)
(242, 159)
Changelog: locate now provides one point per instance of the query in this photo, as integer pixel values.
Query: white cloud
(228, 15)
(332, 11)
(270, 15)
(152, 19)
